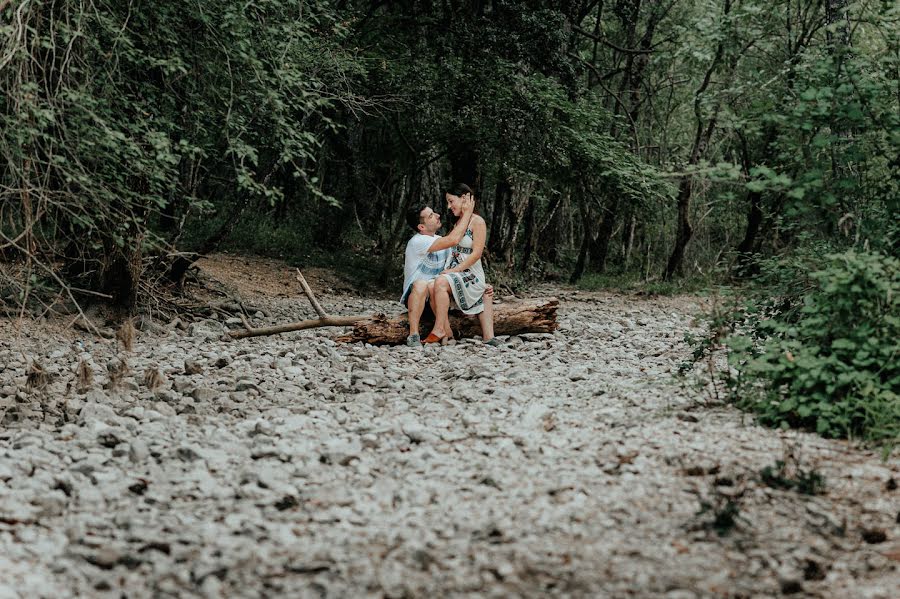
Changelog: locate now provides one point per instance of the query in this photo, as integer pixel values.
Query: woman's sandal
(432, 338)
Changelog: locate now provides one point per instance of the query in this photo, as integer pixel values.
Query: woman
(463, 276)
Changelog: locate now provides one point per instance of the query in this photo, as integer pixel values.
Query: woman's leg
(486, 318)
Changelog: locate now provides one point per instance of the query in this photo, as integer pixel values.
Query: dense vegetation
(646, 139)
(815, 345)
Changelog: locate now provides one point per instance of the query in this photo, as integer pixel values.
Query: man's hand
(448, 271)
(468, 204)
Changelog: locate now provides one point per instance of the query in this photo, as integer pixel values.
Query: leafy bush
(827, 359)
(119, 122)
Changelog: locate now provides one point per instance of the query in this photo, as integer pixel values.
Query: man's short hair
(414, 216)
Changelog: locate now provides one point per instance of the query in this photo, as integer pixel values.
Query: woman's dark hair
(414, 216)
(459, 189)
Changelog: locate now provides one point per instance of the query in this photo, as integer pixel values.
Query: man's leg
(431, 298)
(416, 304)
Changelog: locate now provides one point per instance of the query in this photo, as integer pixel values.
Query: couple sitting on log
(440, 270)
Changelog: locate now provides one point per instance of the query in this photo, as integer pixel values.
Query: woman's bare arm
(455, 236)
(479, 233)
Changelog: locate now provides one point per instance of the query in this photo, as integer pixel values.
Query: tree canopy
(658, 138)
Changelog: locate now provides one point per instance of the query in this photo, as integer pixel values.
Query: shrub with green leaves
(831, 364)
(119, 122)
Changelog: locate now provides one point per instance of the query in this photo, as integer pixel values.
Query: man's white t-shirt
(419, 263)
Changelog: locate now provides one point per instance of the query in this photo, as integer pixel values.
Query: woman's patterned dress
(467, 286)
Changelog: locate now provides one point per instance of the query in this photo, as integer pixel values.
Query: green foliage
(295, 127)
(724, 509)
(825, 358)
(117, 121)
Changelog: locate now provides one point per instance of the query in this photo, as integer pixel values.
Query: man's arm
(456, 235)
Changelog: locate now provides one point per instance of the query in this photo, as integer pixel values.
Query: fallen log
(536, 315)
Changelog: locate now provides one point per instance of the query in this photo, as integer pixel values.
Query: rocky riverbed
(565, 464)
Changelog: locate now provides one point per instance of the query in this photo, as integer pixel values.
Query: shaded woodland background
(651, 139)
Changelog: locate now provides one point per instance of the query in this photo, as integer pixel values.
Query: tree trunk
(702, 137)
(745, 249)
(182, 263)
(510, 318)
(600, 246)
(838, 31)
(684, 231)
(582, 262)
(528, 250)
(548, 238)
(744, 265)
(584, 252)
(518, 205)
(122, 270)
(500, 214)
(397, 238)
(628, 237)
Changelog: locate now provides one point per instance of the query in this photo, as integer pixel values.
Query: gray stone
(418, 433)
(111, 437)
(340, 452)
(454, 471)
(207, 329)
(183, 385)
(93, 411)
(50, 503)
(72, 407)
(205, 394)
(246, 385)
(282, 363)
(187, 453)
(163, 408)
(192, 367)
(138, 452)
(294, 372)
(166, 395)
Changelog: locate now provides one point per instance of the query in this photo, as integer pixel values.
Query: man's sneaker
(413, 341)
(493, 342)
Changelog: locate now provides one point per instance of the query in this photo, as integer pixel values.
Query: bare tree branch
(312, 298)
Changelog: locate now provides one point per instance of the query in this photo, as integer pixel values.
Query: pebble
(138, 451)
(205, 394)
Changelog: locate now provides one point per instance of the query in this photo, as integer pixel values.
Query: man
(426, 253)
